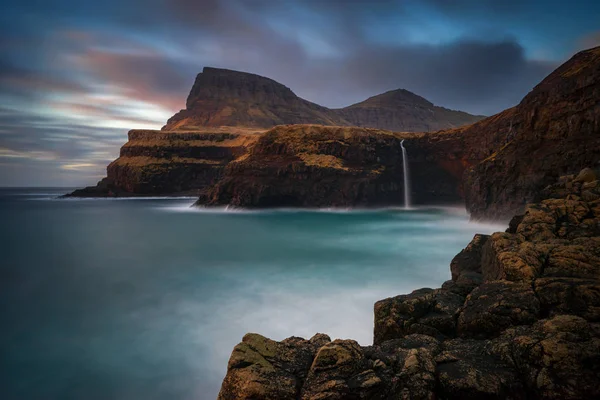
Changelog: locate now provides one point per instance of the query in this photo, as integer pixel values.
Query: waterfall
(406, 182)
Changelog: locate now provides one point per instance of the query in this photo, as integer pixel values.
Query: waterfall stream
(406, 180)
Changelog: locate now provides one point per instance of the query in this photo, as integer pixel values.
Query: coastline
(519, 319)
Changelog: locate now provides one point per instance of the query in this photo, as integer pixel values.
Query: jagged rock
(495, 306)
(466, 369)
(569, 296)
(425, 311)
(469, 259)
(260, 368)
(340, 371)
(466, 282)
(507, 256)
(556, 358)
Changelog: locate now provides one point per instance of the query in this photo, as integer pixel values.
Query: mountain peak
(223, 97)
(394, 98)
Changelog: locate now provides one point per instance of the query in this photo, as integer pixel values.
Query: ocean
(146, 298)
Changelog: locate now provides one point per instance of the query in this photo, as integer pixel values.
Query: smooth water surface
(145, 298)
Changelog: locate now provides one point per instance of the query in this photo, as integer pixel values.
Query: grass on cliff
(141, 161)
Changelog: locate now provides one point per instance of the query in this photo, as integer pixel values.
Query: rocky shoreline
(520, 319)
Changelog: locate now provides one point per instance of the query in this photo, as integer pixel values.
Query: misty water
(145, 298)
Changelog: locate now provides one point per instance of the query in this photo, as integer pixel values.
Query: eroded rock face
(520, 319)
(554, 131)
(166, 163)
(317, 166)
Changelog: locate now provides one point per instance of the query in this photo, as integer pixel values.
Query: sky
(76, 75)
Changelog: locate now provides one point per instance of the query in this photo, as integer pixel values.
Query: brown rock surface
(320, 166)
(554, 131)
(519, 320)
(166, 163)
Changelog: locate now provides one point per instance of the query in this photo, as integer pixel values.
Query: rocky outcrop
(222, 97)
(319, 166)
(520, 319)
(169, 163)
(554, 131)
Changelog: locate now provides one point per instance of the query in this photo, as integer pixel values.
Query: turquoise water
(145, 298)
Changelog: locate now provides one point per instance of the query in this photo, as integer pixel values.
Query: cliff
(555, 130)
(222, 97)
(323, 166)
(520, 319)
(169, 163)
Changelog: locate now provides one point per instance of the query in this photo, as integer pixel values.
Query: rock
(469, 259)
(258, 362)
(507, 256)
(587, 175)
(553, 131)
(158, 163)
(316, 166)
(466, 369)
(557, 358)
(573, 296)
(495, 306)
(340, 370)
(425, 311)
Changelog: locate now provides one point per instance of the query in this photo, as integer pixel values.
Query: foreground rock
(520, 319)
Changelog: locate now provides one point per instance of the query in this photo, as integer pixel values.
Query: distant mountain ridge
(221, 97)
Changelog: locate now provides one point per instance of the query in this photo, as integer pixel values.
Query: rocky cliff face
(159, 163)
(555, 130)
(520, 319)
(319, 166)
(222, 97)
